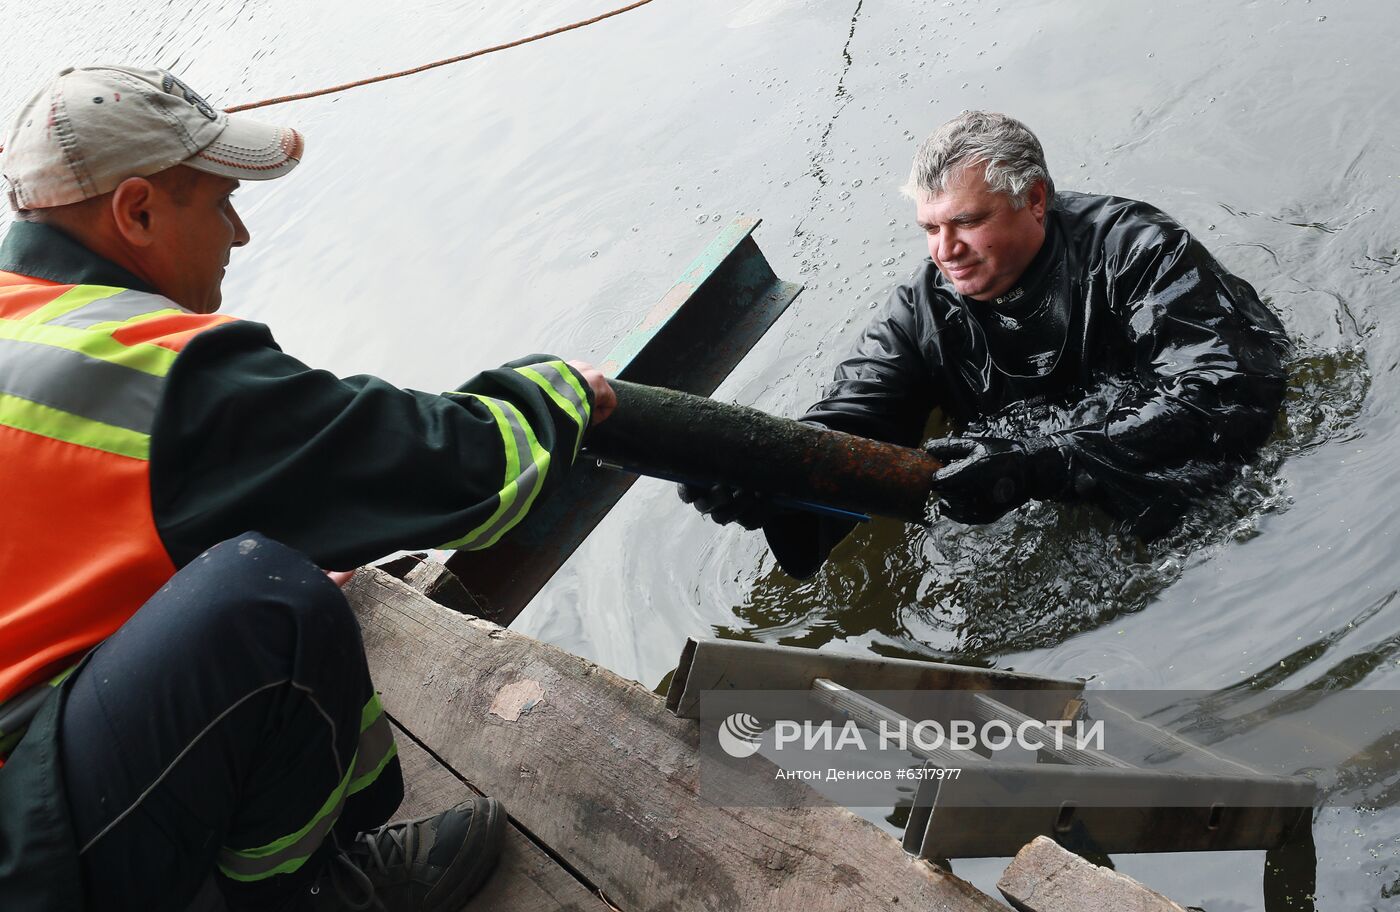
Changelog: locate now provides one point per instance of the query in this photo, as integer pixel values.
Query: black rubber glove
(725, 504)
(984, 478)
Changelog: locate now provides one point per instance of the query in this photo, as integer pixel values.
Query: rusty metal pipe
(677, 434)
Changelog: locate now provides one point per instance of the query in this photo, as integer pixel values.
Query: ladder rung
(866, 712)
(987, 708)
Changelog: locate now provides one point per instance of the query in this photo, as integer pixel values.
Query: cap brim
(250, 150)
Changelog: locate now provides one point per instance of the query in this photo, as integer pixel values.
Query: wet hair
(1012, 156)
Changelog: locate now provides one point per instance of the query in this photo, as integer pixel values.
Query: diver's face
(976, 238)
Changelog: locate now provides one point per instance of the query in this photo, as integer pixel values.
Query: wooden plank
(1045, 878)
(526, 879)
(598, 770)
(428, 786)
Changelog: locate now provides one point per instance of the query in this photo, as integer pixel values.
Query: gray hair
(1012, 155)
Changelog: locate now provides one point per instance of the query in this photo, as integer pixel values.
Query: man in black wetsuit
(1032, 297)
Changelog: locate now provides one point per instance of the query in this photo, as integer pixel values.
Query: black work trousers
(230, 725)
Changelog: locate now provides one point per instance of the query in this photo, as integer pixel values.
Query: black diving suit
(1121, 300)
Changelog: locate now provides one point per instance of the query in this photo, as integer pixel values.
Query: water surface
(542, 199)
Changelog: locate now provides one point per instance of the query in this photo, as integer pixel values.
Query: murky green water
(543, 198)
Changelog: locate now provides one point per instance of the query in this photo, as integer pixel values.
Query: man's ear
(133, 204)
(1036, 199)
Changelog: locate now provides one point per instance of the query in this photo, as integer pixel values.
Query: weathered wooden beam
(691, 438)
(1045, 878)
(597, 769)
(526, 879)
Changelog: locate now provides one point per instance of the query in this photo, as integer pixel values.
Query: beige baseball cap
(93, 127)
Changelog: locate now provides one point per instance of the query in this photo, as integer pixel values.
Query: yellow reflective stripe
(113, 310)
(526, 486)
(71, 300)
(372, 775)
(376, 746)
(275, 857)
(567, 373)
(522, 481)
(375, 749)
(111, 325)
(143, 357)
(59, 425)
(372, 710)
(512, 467)
(570, 408)
(565, 405)
(539, 454)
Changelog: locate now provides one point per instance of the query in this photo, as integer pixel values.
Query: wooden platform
(601, 782)
(528, 879)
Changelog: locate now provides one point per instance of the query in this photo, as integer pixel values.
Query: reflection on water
(542, 199)
(1048, 571)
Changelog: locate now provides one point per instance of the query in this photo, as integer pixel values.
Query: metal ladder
(1088, 800)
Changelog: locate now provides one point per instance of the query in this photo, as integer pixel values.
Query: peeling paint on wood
(516, 699)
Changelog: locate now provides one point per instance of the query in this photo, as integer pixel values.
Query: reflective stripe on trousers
(282, 856)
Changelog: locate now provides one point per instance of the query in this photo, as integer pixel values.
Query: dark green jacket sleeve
(350, 469)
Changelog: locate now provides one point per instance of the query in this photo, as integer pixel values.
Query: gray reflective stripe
(75, 383)
(376, 744)
(562, 386)
(121, 306)
(526, 483)
(245, 867)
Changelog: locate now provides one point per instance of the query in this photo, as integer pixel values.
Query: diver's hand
(984, 478)
(725, 504)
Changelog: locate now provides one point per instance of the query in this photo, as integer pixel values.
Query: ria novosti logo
(739, 735)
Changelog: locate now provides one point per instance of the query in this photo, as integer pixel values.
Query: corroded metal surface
(677, 434)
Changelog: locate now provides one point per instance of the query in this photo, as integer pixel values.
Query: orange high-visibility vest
(82, 370)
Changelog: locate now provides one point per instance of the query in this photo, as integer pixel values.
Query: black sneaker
(431, 864)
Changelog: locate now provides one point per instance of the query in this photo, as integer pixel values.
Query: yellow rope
(428, 66)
